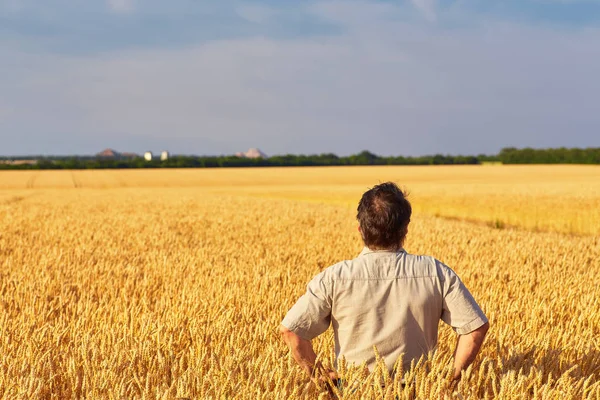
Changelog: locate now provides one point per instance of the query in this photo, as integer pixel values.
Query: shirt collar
(366, 250)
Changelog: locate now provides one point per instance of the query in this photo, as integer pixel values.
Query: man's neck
(390, 249)
(382, 250)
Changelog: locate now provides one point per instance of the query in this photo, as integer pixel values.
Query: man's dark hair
(383, 215)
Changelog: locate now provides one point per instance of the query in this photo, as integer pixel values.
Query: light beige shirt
(391, 300)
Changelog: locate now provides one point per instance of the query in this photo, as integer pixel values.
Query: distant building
(164, 156)
(252, 153)
(109, 153)
(115, 155)
(148, 156)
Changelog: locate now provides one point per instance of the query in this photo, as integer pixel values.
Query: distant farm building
(252, 153)
(164, 156)
(148, 156)
(108, 153)
(115, 155)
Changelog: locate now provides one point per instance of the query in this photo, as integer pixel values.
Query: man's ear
(361, 233)
(404, 234)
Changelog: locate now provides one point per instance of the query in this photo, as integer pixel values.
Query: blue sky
(207, 77)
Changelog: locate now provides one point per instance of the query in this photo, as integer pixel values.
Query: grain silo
(148, 156)
(164, 155)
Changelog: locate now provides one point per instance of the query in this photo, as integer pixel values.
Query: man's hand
(305, 356)
(467, 348)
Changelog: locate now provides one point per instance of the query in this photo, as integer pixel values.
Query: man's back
(388, 299)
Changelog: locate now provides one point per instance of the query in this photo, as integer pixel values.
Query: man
(385, 297)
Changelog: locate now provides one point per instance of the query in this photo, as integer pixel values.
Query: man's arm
(301, 349)
(467, 347)
(303, 353)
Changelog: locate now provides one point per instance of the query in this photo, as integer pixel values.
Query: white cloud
(389, 86)
(121, 6)
(427, 7)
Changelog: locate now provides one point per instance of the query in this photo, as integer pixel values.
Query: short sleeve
(460, 310)
(311, 315)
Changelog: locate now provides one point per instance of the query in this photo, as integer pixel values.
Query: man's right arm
(307, 319)
(467, 347)
(301, 350)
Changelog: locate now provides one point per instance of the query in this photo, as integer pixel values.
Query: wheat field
(166, 284)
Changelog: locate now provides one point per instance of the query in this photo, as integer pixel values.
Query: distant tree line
(562, 155)
(508, 155)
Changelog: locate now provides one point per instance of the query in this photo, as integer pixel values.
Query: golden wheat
(542, 198)
(171, 284)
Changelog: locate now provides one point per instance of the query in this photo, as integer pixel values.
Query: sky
(395, 77)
